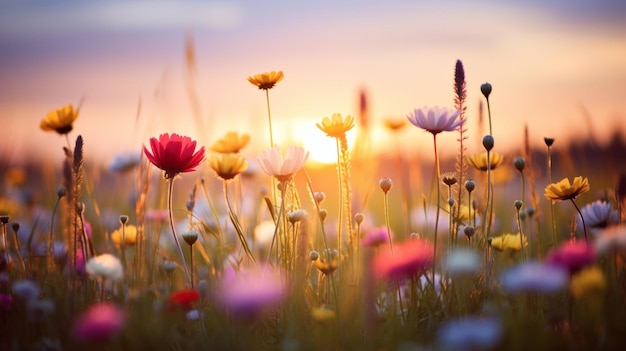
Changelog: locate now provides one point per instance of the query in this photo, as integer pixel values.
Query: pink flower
(274, 164)
(407, 259)
(174, 154)
(435, 119)
(251, 292)
(572, 256)
(375, 237)
(99, 323)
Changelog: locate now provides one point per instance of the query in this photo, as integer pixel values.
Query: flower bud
(4, 219)
(61, 192)
(449, 178)
(518, 204)
(470, 185)
(190, 237)
(450, 201)
(123, 219)
(488, 142)
(314, 255)
(519, 163)
(485, 88)
(469, 231)
(297, 216)
(385, 184)
(358, 218)
(548, 141)
(323, 214)
(319, 197)
(415, 236)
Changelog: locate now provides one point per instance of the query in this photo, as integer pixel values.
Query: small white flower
(105, 266)
(463, 262)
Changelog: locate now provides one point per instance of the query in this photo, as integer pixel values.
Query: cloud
(43, 18)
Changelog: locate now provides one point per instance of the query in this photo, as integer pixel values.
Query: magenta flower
(407, 259)
(375, 237)
(435, 119)
(572, 256)
(99, 323)
(250, 292)
(174, 154)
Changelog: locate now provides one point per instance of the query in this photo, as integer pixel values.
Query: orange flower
(337, 126)
(228, 166)
(60, 120)
(174, 154)
(479, 161)
(563, 190)
(266, 80)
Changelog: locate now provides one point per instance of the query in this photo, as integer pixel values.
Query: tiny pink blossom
(251, 292)
(99, 323)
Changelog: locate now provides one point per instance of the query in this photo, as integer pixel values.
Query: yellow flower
(8, 207)
(337, 126)
(508, 242)
(130, 236)
(228, 166)
(479, 161)
(322, 314)
(60, 120)
(266, 80)
(563, 190)
(588, 282)
(232, 142)
(395, 125)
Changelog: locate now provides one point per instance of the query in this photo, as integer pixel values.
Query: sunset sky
(557, 65)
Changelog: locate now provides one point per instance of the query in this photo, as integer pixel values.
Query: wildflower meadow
(184, 246)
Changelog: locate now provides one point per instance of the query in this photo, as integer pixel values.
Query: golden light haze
(562, 73)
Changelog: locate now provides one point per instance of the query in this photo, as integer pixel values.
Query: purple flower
(100, 323)
(534, 276)
(470, 333)
(6, 302)
(435, 119)
(250, 292)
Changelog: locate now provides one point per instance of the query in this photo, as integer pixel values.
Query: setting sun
(322, 149)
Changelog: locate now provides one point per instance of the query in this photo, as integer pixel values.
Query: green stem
(386, 209)
(552, 216)
(438, 206)
(269, 116)
(170, 192)
(582, 218)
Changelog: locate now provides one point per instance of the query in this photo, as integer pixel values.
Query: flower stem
(269, 116)
(554, 236)
(438, 206)
(582, 218)
(175, 237)
(386, 209)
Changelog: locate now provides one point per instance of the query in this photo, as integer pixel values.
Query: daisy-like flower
(394, 125)
(407, 259)
(99, 323)
(564, 190)
(611, 239)
(174, 154)
(232, 142)
(125, 236)
(534, 276)
(267, 80)
(572, 256)
(509, 242)
(60, 120)
(598, 215)
(470, 333)
(228, 166)
(336, 126)
(251, 292)
(479, 161)
(274, 164)
(105, 266)
(435, 119)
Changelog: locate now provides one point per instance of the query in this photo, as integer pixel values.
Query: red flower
(174, 154)
(407, 259)
(182, 300)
